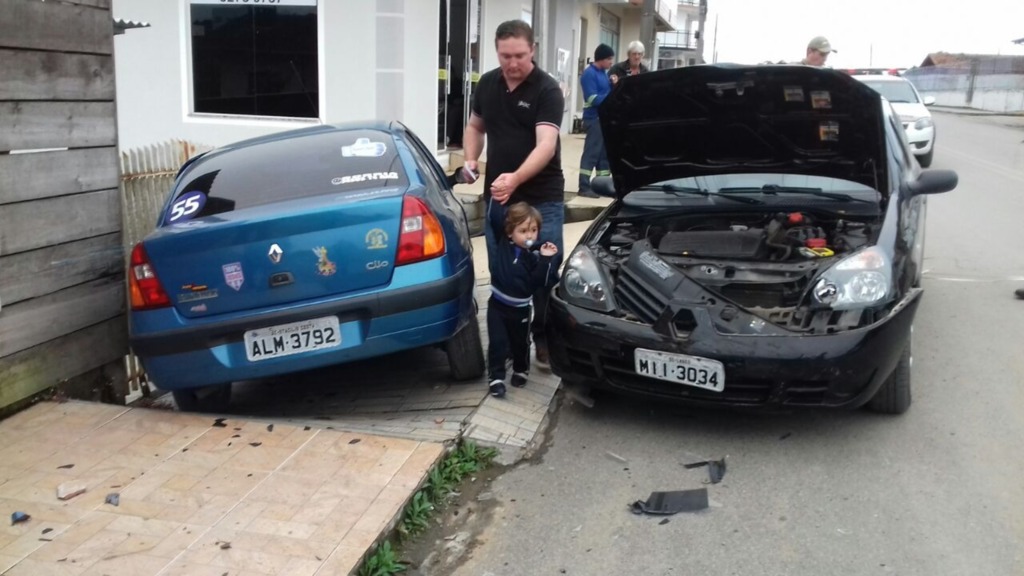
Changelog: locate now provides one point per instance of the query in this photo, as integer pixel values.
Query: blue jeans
(595, 155)
(553, 216)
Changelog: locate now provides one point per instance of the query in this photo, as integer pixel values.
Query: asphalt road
(939, 490)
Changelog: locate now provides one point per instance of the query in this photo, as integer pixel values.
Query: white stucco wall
(377, 60)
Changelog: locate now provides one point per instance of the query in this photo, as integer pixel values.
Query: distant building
(685, 45)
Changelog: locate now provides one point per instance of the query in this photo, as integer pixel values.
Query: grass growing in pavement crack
(466, 459)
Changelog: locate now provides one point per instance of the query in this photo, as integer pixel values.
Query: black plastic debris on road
(113, 498)
(666, 503)
(270, 427)
(219, 423)
(65, 466)
(716, 469)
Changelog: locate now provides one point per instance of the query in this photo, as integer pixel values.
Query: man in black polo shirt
(518, 108)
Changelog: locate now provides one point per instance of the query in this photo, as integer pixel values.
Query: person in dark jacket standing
(517, 272)
(596, 86)
(631, 66)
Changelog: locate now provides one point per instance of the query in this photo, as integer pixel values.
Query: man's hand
(548, 249)
(504, 186)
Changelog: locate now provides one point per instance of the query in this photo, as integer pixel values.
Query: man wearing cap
(596, 86)
(818, 50)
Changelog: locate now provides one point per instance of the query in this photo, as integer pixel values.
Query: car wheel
(206, 399)
(925, 160)
(894, 395)
(466, 352)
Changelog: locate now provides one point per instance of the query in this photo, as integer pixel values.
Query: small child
(517, 271)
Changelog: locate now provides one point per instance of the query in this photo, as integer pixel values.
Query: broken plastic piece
(17, 517)
(716, 469)
(65, 466)
(68, 490)
(665, 503)
(219, 423)
(113, 498)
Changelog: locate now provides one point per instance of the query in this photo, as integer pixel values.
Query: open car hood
(718, 119)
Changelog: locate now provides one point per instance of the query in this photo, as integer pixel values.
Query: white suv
(911, 108)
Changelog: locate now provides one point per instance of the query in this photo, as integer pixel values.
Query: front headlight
(860, 280)
(584, 282)
(922, 123)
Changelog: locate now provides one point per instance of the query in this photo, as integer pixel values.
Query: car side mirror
(929, 100)
(933, 182)
(603, 186)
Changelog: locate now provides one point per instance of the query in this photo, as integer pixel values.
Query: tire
(894, 395)
(925, 160)
(466, 352)
(206, 399)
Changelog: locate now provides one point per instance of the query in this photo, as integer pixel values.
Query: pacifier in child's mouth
(529, 243)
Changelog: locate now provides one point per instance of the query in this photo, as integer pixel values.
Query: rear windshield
(327, 162)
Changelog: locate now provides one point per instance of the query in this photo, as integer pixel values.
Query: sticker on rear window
(793, 93)
(829, 131)
(821, 99)
(187, 206)
(364, 177)
(364, 148)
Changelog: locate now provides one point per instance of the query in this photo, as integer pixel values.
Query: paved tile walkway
(196, 496)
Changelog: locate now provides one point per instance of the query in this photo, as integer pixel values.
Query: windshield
(894, 91)
(770, 188)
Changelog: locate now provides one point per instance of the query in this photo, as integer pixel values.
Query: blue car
(299, 250)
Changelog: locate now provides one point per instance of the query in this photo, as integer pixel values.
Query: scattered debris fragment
(270, 427)
(223, 545)
(786, 435)
(716, 469)
(438, 420)
(616, 457)
(663, 522)
(665, 503)
(354, 441)
(255, 444)
(306, 428)
(68, 490)
(47, 530)
(219, 423)
(66, 467)
(17, 517)
(237, 436)
(113, 498)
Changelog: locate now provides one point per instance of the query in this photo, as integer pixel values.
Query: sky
(882, 33)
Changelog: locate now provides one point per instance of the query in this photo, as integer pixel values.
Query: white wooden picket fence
(147, 175)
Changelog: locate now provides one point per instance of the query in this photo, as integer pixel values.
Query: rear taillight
(421, 237)
(144, 286)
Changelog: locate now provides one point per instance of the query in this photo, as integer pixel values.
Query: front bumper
(842, 369)
(921, 141)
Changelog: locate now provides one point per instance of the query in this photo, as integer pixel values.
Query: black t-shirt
(510, 120)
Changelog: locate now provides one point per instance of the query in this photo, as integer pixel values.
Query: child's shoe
(497, 388)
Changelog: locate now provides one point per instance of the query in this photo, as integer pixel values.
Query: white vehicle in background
(912, 110)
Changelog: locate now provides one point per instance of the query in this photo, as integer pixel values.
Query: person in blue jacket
(596, 86)
(519, 269)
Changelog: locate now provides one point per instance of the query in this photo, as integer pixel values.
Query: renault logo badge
(275, 254)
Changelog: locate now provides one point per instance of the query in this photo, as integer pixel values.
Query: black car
(764, 248)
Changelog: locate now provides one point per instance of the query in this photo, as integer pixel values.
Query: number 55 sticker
(187, 206)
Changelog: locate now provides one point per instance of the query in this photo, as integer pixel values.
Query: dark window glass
(255, 60)
(349, 164)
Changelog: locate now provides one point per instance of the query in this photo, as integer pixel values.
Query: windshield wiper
(678, 190)
(774, 189)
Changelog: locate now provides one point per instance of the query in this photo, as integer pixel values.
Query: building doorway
(458, 68)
